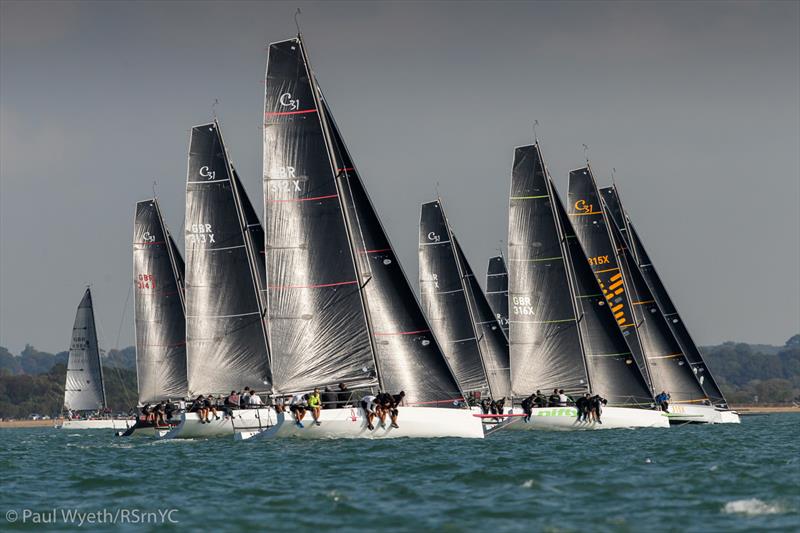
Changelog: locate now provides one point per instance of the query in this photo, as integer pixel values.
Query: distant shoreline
(742, 409)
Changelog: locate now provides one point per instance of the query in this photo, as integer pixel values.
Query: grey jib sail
(225, 339)
(408, 355)
(492, 340)
(588, 220)
(84, 389)
(497, 290)
(546, 351)
(657, 287)
(613, 373)
(159, 308)
(445, 301)
(317, 325)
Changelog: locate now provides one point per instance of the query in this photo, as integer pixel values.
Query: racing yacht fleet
(316, 298)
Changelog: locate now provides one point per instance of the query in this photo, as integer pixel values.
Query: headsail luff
(84, 389)
(316, 320)
(546, 351)
(225, 339)
(408, 355)
(588, 220)
(445, 302)
(159, 308)
(497, 290)
(613, 372)
(492, 340)
(613, 202)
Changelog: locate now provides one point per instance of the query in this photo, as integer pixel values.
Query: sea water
(691, 478)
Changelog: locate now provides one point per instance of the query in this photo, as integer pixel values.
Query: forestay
(497, 290)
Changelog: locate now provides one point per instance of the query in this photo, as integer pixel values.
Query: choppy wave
(751, 507)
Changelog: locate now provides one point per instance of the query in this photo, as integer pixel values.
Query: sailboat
(84, 389)
(473, 341)
(158, 271)
(226, 343)
(563, 333)
(339, 307)
(624, 287)
(619, 216)
(497, 290)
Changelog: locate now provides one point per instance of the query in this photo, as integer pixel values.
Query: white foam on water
(751, 507)
(527, 484)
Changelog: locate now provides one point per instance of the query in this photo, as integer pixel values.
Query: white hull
(566, 419)
(701, 414)
(350, 423)
(100, 423)
(191, 428)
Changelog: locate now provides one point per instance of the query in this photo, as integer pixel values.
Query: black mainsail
(615, 208)
(613, 372)
(588, 220)
(666, 364)
(546, 351)
(226, 345)
(497, 290)
(159, 308)
(84, 389)
(444, 300)
(316, 321)
(408, 355)
(492, 340)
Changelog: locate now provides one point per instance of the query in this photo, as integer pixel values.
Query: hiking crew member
(210, 405)
(552, 401)
(596, 404)
(255, 401)
(663, 401)
(280, 404)
(315, 404)
(582, 404)
(330, 399)
(368, 405)
(383, 404)
(160, 411)
(485, 406)
(562, 398)
(501, 405)
(343, 394)
(298, 408)
(244, 399)
(527, 408)
(539, 400)
(397, 399)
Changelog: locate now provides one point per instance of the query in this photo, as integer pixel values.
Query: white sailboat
(339, 306)
(84, 389)
(563, 333)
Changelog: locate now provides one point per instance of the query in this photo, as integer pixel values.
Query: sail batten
(84, 389)
(159, 308)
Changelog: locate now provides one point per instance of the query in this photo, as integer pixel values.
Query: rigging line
(119, 335)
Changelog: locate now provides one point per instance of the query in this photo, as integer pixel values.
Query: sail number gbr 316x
(521, 305)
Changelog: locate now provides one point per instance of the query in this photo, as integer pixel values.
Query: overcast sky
(697, 106)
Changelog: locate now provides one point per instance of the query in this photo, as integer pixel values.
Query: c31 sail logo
(207, 173)
(148, 237)
(434, 237)
(287, 101)
(585, 209)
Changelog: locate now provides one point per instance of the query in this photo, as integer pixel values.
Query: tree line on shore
(33, 381)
